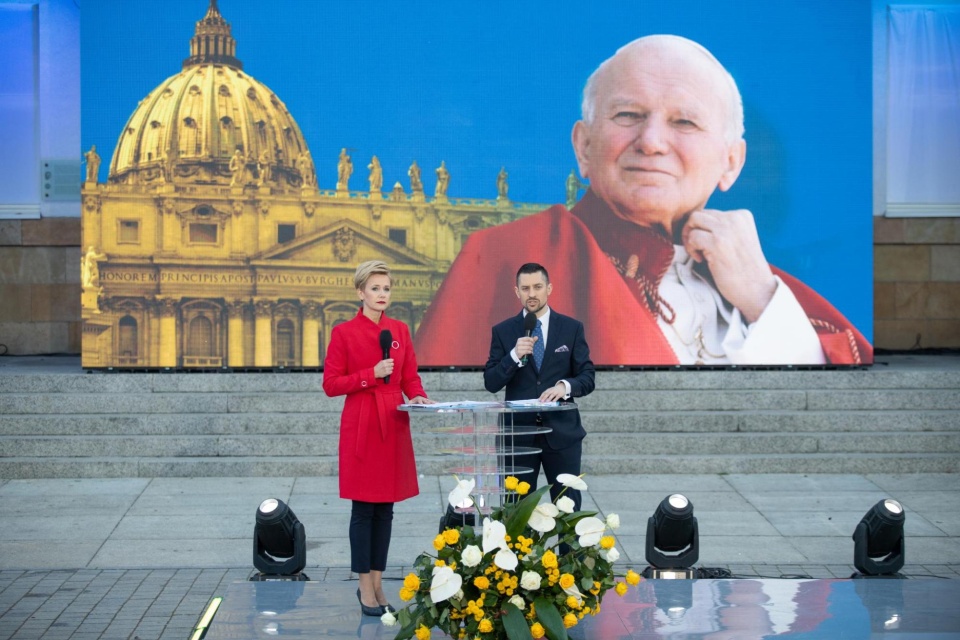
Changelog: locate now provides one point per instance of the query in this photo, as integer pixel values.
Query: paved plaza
(142, 557)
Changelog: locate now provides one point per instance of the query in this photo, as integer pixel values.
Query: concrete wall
(40, 286)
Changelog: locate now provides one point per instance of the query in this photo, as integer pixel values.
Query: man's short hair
(533, 267)
(734, 127)
(370, 268)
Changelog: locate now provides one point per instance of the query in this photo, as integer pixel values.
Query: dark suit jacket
(566, 356)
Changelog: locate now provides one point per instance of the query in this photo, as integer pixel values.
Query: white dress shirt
(544, 328)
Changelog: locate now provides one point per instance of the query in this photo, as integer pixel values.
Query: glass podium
(483, 437)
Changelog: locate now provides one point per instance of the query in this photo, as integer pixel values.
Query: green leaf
(514, 623)
(521, 515)
(548, 615)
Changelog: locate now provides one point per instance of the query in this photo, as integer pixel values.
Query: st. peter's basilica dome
(194, 123)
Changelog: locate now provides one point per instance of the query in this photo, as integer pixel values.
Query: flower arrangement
(508, 578)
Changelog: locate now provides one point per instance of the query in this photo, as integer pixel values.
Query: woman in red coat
(376, 451)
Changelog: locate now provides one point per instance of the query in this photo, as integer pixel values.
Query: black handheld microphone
(529, 324)
(386, 338)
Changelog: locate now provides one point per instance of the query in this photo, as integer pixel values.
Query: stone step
(672, 400)
(285, 466)
(666, 444)
(875, 378)
(594, 421)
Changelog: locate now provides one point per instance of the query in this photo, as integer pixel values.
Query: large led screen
(243, 157)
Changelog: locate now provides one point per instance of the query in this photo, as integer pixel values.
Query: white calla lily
(572, 481)
(590, 530)
(460, 496)
(446, 582)
(573, 591)
(542, 518)
(565, 504)
(494, 535)
(506, 559)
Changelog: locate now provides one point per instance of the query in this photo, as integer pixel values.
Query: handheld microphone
(386, 338)
(529, 324)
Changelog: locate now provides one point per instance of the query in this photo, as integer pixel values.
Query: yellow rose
(633, 578)
(570, 620)
(537, 630)
(451, 536)
(481, 582)
(406, 594)
(573, 603)
(523, 488)
(621, 588)
(549, 559)
(567, 581)
(607, 542)
(411, 582)
(510, 483)
(423, 633)
(485, 626)
(439, 542)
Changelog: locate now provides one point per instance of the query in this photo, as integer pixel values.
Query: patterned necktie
(538, 346)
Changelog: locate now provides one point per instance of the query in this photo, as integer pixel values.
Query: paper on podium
(533, 402)
(456, 404)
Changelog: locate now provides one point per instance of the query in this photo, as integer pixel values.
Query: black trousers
(553, 461)
(371, 524)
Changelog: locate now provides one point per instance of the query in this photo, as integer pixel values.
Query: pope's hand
(728, 242)
(422, 400)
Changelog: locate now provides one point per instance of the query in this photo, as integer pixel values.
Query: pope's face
(657, 146)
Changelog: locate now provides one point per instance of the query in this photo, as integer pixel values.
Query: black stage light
(673, 539)
(878, 540)
(279, 542)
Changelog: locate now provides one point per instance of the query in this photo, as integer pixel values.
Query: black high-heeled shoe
(368, 611)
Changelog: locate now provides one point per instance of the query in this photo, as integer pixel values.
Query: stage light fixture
(673, 539)
(878, 545)
(279, 543)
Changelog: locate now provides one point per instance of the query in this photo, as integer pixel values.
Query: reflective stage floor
(680, 609)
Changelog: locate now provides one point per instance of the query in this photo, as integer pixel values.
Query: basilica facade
(211, 245)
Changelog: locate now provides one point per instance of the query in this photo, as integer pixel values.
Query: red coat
(376, 450)
(576, 248)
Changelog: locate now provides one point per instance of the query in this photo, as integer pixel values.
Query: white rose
(471, 556)
(565, 504)
(613, 521)
(610, 555)
(388, 619)
(530, 580)
(518, 602)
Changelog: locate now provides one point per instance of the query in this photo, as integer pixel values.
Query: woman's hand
(421, 400)
(383, 368)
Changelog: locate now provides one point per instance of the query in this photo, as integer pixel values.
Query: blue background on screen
(488, 84)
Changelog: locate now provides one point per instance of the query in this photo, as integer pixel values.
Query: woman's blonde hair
(370, 268)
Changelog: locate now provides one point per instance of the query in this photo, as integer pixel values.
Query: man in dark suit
(552, 364)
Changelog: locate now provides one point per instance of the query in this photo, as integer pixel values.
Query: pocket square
(561, 349)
